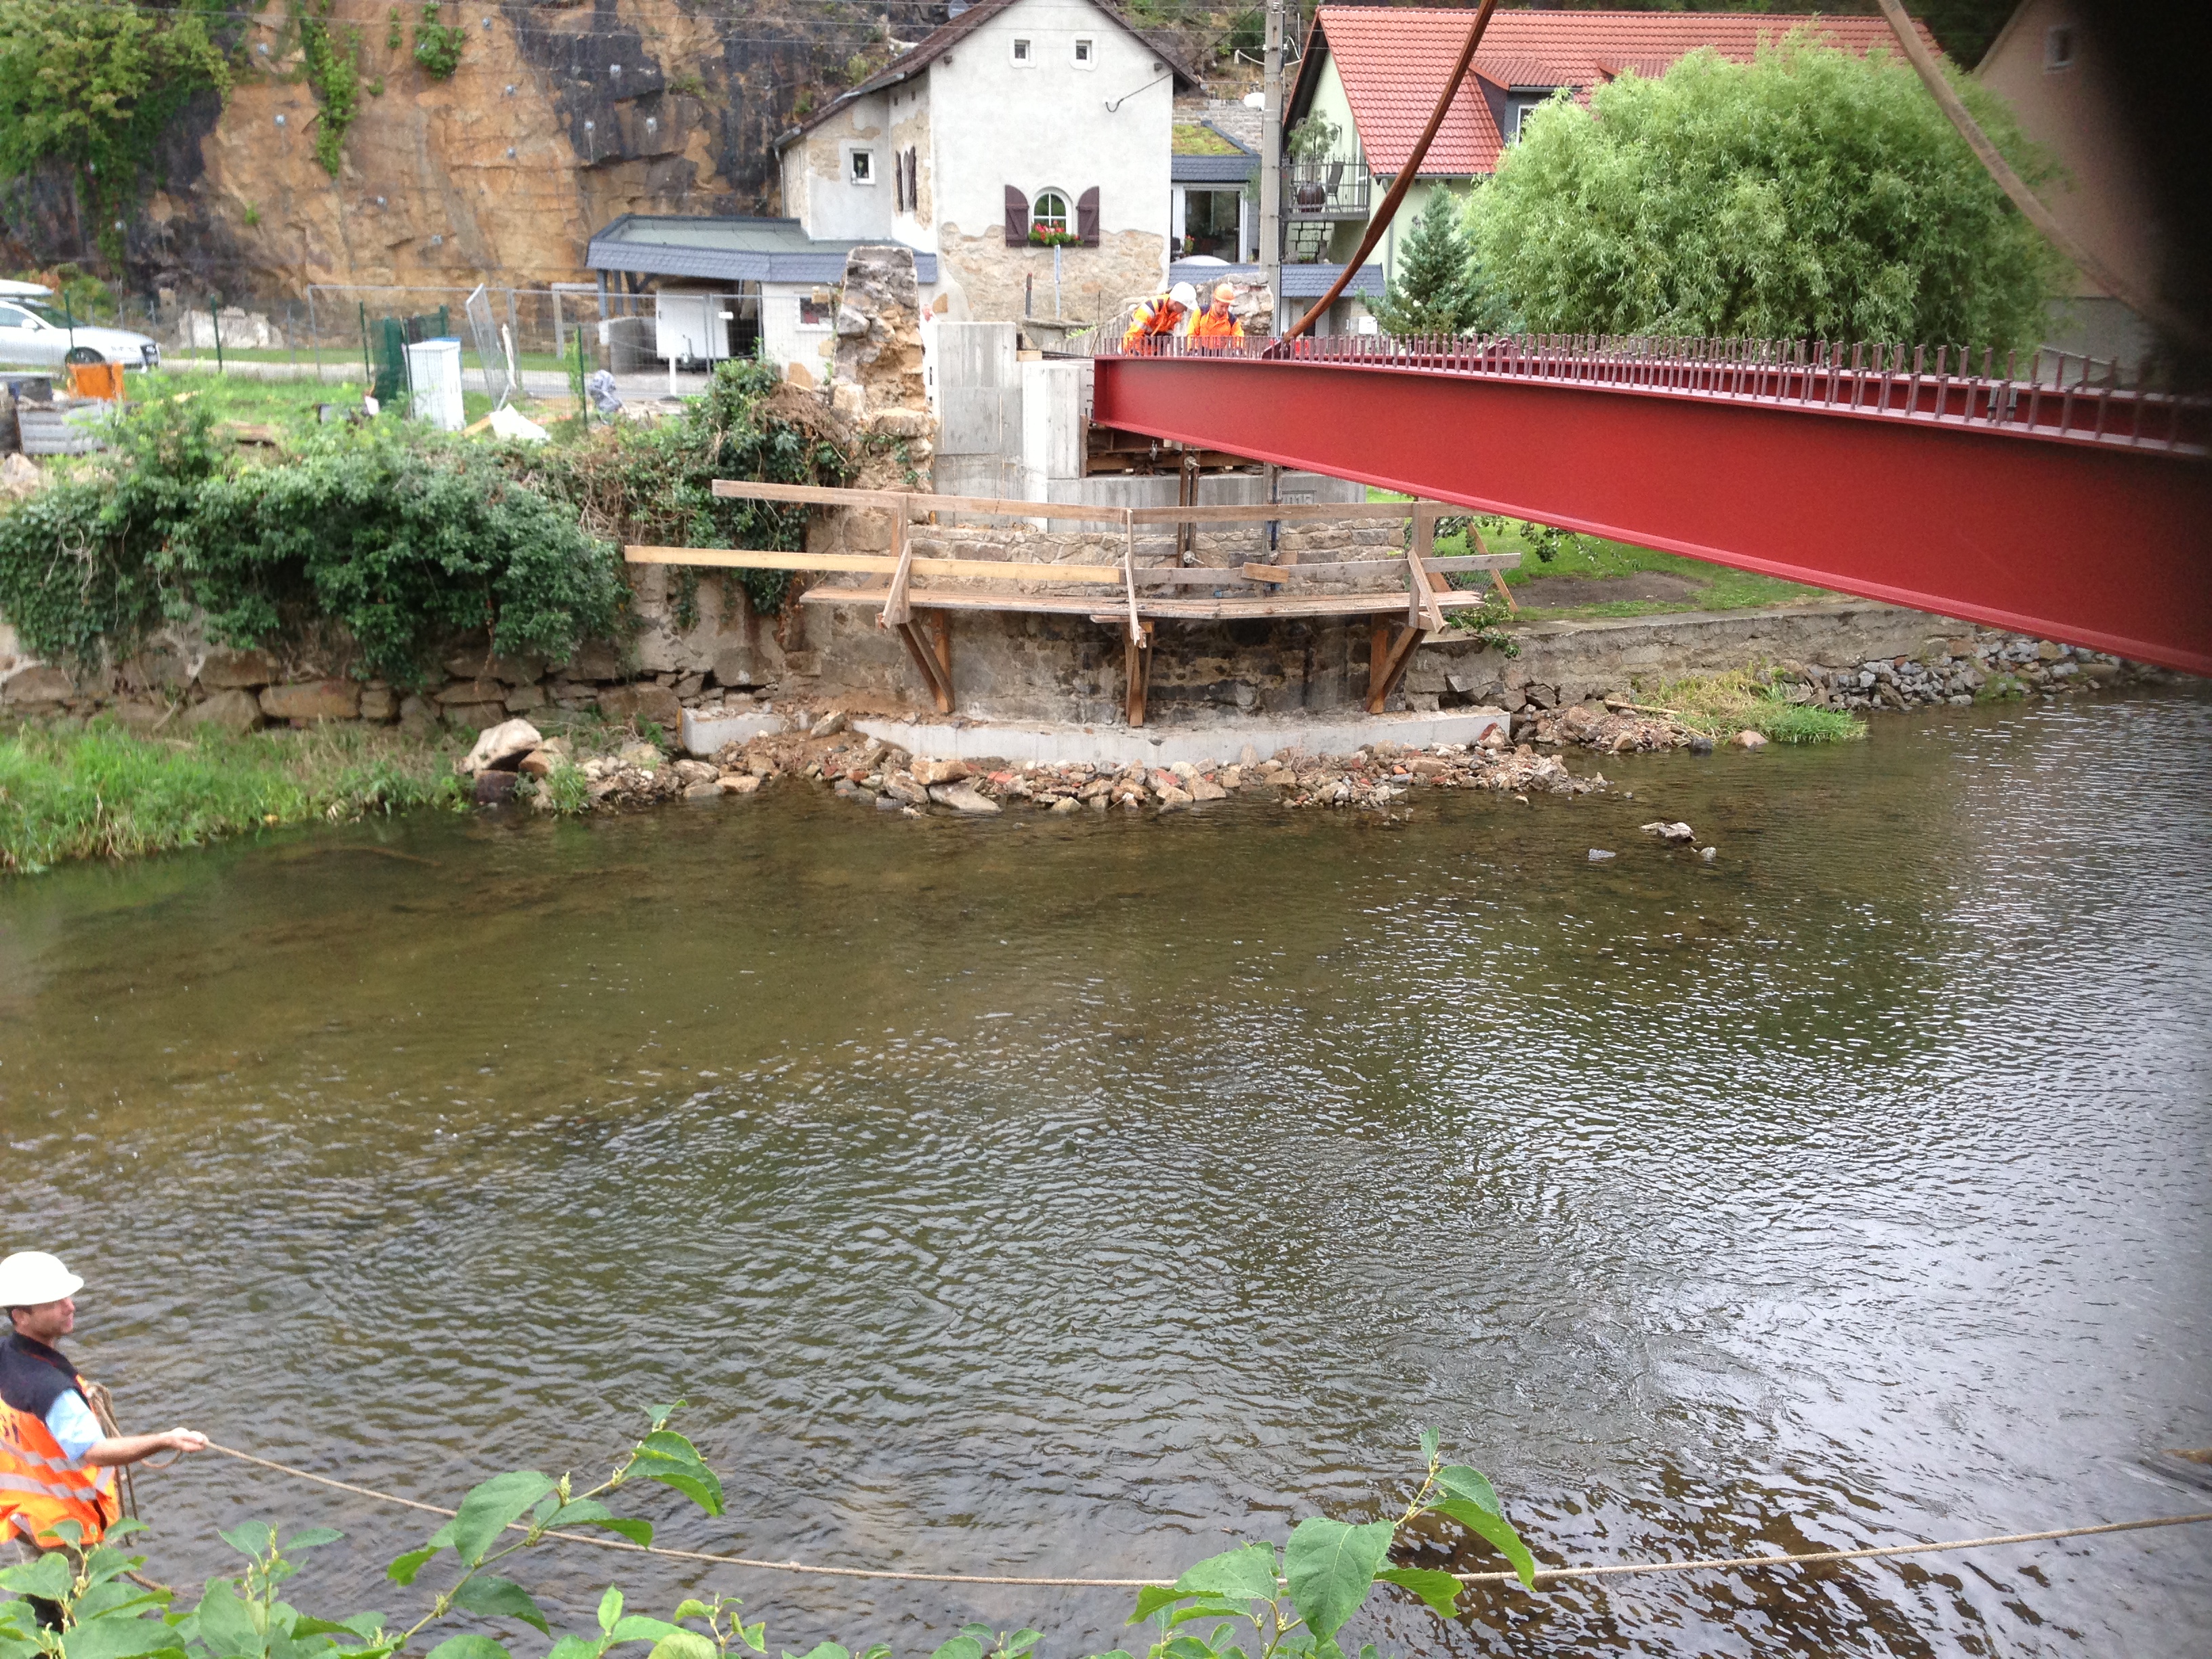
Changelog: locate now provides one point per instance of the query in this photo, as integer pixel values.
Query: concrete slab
(703, 737)
(1218, 742)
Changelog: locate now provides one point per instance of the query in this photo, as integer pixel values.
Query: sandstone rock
(472, 691)
(233, 711)
(508, 741)
(379, 701)
(736, 668)
(962, 798)
(596, 660)
(238, 671)
(928, 773)
(901, 786)
(1670, 831)
(476, 716)
(1064, 806)
(312, 699)
(642, 703)
(1599, 855)
(537, 762)
(807, 664)
(709, 789)
(1699, 743)
(643, 755)
(484, 666)
(830, 725)
(1202, 790)
(417, 714)
(742, 784)
(1170, 798)
(1748, 740)
(692, 771)
(524, 698)
(41, 683)
(19, 476)
(1709, 853)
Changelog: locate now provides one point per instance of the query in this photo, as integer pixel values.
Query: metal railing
(2046, 394)
(1324, 187)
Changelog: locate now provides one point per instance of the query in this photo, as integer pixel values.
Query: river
(1082, 1196)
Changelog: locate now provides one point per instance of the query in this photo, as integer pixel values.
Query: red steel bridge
(2052, 502)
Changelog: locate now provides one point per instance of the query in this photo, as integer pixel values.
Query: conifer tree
(1436, 289)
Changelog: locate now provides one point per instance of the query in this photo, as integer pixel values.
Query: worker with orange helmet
(1218, 322)
(1160, 319)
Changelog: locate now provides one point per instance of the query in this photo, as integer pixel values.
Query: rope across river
(1718, 1564)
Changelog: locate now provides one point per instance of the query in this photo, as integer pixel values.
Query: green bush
(334, 71)
(438, 46)
(1809, 194)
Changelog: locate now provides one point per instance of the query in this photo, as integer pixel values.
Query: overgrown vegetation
(392, 537)
(1743, 699)
(107, 793)
(1810, 194)
(92, 84)
(1296, 1599)
(438, 46)
(334, 71)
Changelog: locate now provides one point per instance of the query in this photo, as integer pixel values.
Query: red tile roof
(1394, 61)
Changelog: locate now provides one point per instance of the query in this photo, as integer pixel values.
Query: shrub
(1811, 193)
(438, 46)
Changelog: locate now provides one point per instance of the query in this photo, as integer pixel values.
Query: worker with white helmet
(1169, 315)
(56, 1460)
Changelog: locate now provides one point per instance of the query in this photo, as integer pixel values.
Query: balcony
(1324, 187)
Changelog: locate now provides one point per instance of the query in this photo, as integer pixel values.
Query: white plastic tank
(433, 371)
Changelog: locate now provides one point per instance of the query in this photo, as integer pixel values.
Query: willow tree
(1810, 193)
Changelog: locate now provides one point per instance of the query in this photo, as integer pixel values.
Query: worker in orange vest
(1217, 321)
(1160, 320)
(57, 1462)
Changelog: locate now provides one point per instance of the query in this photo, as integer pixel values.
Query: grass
(1596, 560)
(1721, 705)
(346, 355)
(286, 405)
(104, 792)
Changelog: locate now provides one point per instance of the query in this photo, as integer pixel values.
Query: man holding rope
(56, 1456)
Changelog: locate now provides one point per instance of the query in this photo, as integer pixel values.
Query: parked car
(33, 333)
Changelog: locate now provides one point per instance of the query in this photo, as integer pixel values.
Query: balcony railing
(1324, 187)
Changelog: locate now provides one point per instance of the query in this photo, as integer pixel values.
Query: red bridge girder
(2095, 543)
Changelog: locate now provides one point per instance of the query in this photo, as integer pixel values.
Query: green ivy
(335, 74)
(394, 38)
(92, 84)
(438, 46)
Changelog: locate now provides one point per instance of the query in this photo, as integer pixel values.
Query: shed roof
(934, 46)
(1300, 281)
(1394, 61)
(725, 250)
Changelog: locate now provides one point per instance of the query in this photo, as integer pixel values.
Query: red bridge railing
(2049, 395)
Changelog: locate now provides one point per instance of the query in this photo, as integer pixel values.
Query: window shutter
(1086, 217)
(913, 180)
(1017, 217)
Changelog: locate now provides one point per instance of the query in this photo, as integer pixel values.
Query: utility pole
(1271, 167)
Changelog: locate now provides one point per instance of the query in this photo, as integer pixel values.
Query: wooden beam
(912, 501)
(1389, 654)
(1273, 575)
(896, 608)
(1137, 668)
(1100, 607)
(1475, 539)
(1426, 613)
(1129, 576)
(940, 636)
(937, 684)
(1300, 513)
(875, 564)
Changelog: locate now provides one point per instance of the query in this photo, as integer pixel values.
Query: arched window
(1049, 214)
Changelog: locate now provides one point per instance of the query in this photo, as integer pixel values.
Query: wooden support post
(1422, 609)
(1137, 664)
(932, 654)
(1186, 495)
(1389, 654)
(896, 610)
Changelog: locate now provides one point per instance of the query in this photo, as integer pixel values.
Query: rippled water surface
(1080, 1197)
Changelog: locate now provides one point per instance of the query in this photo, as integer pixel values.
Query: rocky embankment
(514, 761)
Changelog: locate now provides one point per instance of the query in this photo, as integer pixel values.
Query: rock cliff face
(563, 115)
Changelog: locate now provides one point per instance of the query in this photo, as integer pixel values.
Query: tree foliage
(1811, 193)
(1437, 287)
(92, 84)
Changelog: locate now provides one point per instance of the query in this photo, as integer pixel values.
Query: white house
(1026, 145)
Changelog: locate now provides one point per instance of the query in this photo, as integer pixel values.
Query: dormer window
(1024, 53)
(1520, 103)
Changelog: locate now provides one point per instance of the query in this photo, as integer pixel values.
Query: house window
(1023, 56)
(1087, 51)
(2058, 48)
(1048, 214)
(817, 313)
(861, 166)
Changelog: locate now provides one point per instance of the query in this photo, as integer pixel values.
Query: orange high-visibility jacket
(1159, 318)
(38, 1486)
(1216, 322)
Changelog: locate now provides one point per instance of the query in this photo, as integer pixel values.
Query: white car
(34, 333)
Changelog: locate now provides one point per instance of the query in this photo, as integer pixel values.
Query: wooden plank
(1271, 574)
(1283, 512)
(874, 564)
(1426, 613)
(1137, 668)
(1307, 605)
(1392, 658)
(1475, 539)
(745, 489)
(937, 684)
(1129, 577)
(896, 608)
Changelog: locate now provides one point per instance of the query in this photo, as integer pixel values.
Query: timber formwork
(913, 595)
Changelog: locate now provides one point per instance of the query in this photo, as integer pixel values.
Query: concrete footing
(1218, 742)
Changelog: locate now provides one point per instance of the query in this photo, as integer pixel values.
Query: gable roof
(934, 46)
(729, 250)
(1394, 61)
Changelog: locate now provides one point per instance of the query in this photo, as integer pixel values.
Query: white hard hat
(1184, 296)
(29, 1277)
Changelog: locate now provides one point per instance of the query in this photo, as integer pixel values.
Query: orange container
(96, 380)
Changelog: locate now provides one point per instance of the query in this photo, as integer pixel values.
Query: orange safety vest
(38, 1487)
(1157, 318)
(1216, 323)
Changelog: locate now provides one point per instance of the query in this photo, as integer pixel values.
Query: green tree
(91, 84)
(1811, 193)
(1437, 288)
